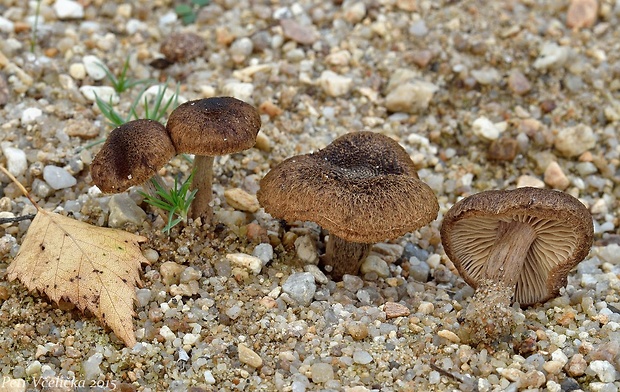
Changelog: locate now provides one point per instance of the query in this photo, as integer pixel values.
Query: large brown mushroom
(363, 188)
(132, 153)
(207, 128)
(516, 245)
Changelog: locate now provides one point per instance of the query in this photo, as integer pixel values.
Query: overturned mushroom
(362, 188)
(516, 245)
(132, 153)
(210, 127)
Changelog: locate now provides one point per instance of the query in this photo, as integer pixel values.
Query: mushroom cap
(180, 47)
(363, 187)
(213, 126)
(131, 154)
(563, 228)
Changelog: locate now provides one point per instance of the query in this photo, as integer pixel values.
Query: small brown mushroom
(516, 245)
(131, 154)
(363, 188)
(181, 47)
(210, 127)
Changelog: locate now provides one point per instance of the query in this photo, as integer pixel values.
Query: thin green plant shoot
(175, 202)
(34, 38)
(156, 110)
(122, 83)
(189, 12)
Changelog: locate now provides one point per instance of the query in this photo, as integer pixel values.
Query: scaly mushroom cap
(131, 154)
(563, 228)
(363, 187)
(213, 126)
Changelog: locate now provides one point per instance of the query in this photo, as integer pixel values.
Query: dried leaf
(94, 268)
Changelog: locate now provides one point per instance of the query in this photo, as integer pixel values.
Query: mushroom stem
(344, 257)
(203, 180)
(489, 315)
(507, 256)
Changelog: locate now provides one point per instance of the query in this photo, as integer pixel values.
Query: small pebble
(316, 272)
(335, 85)
(486, 76)
(248, 356)
(393, 310)
(525, 181)
(251, 263)
(449, 335)
(407, 5)
(239, 90)
(305, 35)
(362, 357)
(68, 9)
(306, 250)
(57, 177)
(240, 49)
(574, 141)
(167, 333)
(16, 161)
(426, 307)
(94, 67)
(123, 210)
(410, 97)
(503, 149)
(208, 376)
(352, 283)
(518, 83)
(551, 55)
(357, 330)
(171, 272)
(30, 115)
(581, 13)
(105, 93)
(576, 366)
(300, 287)
(81, 128)
(532, 379)
(241, 200)
(375, 264)
(321, 372)
(91, 366)
(484, 128)
(555, 177)
(605, 371)
(264, 252)
(4, 90)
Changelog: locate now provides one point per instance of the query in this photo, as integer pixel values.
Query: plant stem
(20, 186)
(33, 40)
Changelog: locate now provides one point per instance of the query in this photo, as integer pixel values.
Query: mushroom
(516, 245)
(132, 153)
(210, 127)
(362, 188)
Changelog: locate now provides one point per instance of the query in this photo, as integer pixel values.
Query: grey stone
(16, 161)
(57, 177)
(300, 287)
(264, 252)
(124, 210)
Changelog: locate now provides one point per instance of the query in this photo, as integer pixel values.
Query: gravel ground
(483, 95)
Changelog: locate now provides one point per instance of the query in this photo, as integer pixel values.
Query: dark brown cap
(213, 126)
(563, 232)
(132, 154)
(363, 187)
